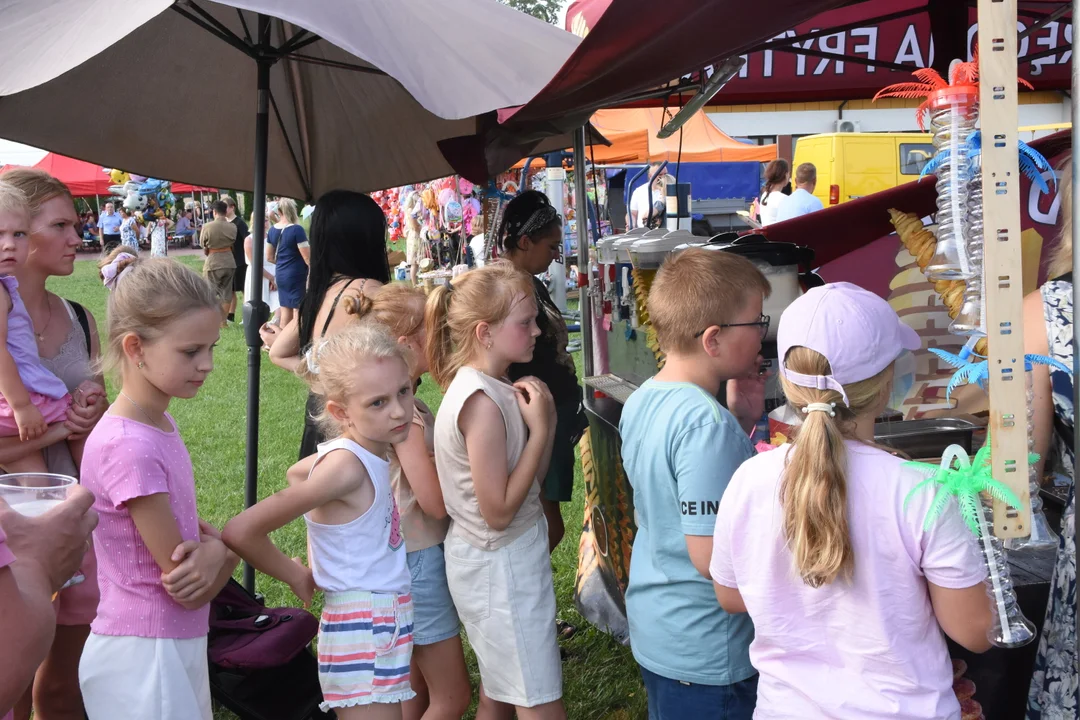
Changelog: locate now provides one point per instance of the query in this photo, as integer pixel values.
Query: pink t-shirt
(871, 648)
(125, 459)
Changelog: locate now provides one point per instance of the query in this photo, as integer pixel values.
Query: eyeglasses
(762, 322)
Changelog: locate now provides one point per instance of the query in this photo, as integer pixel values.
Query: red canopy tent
(185, 189)
(82, 178)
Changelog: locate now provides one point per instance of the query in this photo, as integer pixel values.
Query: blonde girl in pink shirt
(159, 565)
(849, 593)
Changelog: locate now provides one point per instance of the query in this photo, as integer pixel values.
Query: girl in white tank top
(355, 548)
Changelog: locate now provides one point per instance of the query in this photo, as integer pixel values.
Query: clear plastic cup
(34, 494)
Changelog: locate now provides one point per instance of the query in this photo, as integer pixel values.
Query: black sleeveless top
(313, 434)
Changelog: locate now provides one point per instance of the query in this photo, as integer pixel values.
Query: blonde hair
(271, 218)
(398, 306)
(1061, 257)
(486, 294)
(152, 293)
(330, 366)
(696, 289)
(38, 186)
(13, 200)
(813, 491)
(287, 210)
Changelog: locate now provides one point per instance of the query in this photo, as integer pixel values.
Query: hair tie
(111, 273)
(829, 408)
(311, 357)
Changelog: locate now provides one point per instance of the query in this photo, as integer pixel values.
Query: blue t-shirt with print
(680, 448)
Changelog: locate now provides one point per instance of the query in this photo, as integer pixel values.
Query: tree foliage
(546, 10)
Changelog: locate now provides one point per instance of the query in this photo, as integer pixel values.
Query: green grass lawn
(600, 677)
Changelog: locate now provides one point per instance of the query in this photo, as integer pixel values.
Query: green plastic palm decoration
(965, 479)
(968, 480)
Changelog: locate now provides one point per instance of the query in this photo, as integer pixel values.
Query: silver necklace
(41, 335)
(139, 408)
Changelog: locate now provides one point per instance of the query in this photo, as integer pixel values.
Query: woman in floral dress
(1048, 323)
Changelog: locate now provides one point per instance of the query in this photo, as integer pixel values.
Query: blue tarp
(712, 181)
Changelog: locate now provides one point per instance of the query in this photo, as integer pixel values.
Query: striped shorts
(365, 647)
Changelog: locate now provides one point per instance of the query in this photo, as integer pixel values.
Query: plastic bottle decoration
(953, 111)
(966, 479)
(1041, 538)
(971, 318)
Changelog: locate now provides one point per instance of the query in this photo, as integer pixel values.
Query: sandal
(564, 630)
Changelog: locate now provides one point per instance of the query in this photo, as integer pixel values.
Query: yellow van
(851, 165)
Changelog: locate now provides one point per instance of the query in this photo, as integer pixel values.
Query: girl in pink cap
(848, 592)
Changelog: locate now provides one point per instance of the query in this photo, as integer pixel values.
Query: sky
(17, 154)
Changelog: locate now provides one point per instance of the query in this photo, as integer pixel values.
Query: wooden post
(1003, 292)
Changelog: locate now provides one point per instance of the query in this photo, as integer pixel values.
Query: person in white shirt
(802, 201)
(639, 199)
(777, 177)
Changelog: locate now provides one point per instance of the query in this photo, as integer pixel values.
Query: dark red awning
(841, 229)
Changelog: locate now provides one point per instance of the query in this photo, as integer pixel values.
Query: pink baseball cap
(857, 332)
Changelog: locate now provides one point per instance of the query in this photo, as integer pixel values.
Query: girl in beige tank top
(493, 441)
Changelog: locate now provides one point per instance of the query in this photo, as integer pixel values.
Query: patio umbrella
(348, 93)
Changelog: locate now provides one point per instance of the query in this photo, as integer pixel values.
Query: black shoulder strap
(84, 322)
(333, 306)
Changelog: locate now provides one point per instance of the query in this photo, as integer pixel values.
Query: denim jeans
(675, 700)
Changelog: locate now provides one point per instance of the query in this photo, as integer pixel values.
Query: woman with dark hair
(348, 258)
(530, 237)
(777, 178)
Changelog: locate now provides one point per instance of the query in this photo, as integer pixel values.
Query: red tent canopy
(185, 189)
(82, 178)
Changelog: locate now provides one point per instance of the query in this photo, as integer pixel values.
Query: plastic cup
(33, 494)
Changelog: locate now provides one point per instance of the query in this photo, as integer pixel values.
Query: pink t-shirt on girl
(871, 648)
(126, 459)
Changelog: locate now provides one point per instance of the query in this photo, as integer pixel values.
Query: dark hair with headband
(529, 214)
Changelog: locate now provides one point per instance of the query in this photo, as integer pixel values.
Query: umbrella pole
(581, 212)
(1075, 287)
(255, 310)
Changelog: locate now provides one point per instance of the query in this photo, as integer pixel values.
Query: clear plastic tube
(1010, 629)
(1042, 538)
(970, 321)
(954, 112)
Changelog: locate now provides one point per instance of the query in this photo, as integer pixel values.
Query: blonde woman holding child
(159, 565)
(31, 397)
(848, 591)
(356, 550)
(493, 439)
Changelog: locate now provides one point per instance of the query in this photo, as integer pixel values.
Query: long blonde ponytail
(813, 491)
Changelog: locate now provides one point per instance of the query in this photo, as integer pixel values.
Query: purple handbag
(245, 634)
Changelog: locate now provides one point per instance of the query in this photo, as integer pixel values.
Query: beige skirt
(506, 600)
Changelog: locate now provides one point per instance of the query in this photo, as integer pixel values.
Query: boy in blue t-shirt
(680, 448)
